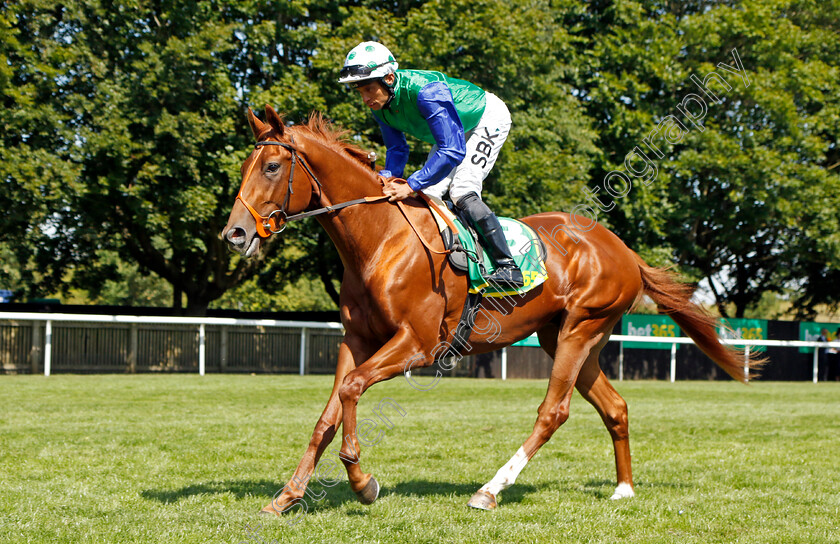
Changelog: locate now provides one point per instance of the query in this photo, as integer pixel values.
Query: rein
(276, 221)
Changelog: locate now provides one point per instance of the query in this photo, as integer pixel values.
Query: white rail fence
(201, 324)
(746, 343)
(306, 327)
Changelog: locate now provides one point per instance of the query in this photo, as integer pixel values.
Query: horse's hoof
(269, 510)
(482, 500)
(277, 508)
(623, 491)
(369, 493)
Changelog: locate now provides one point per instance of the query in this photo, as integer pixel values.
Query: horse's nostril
(236, 236)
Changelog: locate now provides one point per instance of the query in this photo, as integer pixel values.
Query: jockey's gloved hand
(385, 176)
(397, 189)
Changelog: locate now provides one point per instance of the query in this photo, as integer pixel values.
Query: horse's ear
(257, 126)
(273, 118)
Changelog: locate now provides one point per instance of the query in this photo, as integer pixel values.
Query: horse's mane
(323, 130)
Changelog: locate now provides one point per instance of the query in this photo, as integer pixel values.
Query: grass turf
(181, 458)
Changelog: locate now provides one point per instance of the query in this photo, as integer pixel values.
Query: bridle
(276, 221)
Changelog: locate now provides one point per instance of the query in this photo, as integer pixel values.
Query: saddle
(468, 255)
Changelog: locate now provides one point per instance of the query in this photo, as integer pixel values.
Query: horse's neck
(359, 232)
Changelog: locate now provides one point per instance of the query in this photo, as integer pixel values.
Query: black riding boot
(488, 226)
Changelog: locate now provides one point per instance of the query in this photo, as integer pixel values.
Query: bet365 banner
(743, 329)
(649, 325)
(810, 332)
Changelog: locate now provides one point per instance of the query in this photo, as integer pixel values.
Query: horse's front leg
(350, 352)
(384, 364)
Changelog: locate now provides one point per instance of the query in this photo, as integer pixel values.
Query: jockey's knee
(473, 206)
(469, 200)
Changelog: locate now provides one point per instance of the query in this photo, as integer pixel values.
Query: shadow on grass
(239, 488)
(331, 497)
(603, 489)
(426, 488)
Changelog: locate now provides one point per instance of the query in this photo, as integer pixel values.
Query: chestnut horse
(401, 298)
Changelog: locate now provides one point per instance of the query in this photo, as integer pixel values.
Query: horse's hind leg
(593, 385)
(575, 342)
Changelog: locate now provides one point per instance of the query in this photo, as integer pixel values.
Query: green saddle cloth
(526, 248)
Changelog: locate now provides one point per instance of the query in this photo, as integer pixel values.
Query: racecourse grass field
(183, 458)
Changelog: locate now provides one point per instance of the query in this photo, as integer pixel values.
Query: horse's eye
(272, 168)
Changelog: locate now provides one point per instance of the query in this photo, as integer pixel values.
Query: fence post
(48, 348)
(132, 348)
(746, 363)
(35, 352)
(816, 365)
(621, 361)
(223, 356)
(302, 351)
(201, 351)
(673, 362)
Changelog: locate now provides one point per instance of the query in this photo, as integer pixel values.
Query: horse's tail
(674, 299)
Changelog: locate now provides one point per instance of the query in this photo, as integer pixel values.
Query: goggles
(359, 70)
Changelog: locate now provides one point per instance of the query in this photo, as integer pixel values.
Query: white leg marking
(506, 475)
(623, 491)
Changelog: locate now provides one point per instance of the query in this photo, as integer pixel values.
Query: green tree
(37, 175)
(745, 201)
(124, 130)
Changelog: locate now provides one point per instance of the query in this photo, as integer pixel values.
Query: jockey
(466, 124)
